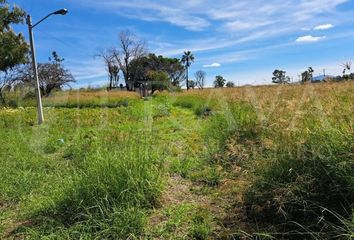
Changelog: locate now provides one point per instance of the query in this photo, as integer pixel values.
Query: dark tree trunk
(110, 82)
(2, 98)
(187, 79)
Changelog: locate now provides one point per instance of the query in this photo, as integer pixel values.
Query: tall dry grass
(293, 145)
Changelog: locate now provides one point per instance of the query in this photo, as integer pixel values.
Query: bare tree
(7, 80)
(130, 48)
(200, 79)
(112, 68)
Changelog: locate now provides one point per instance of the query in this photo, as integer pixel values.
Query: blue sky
(242, 40)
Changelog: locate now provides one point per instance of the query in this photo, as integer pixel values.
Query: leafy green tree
(187, 60)
(338, 78)
(13, 47)
(279, 77)
(351, 76)
(230, 84)
(307, 76)
(172, 66)
(52, 75)
(192, 84)
(219, 82)
(158, 81)
(141, 67)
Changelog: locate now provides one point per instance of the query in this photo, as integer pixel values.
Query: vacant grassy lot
(272, 162)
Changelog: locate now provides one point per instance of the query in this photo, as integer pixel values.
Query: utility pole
(35, 71)
(34, 62)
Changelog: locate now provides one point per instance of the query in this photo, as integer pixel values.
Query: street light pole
(34, 62)
(35, 71)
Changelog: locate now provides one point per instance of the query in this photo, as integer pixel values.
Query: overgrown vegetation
(267, 162)
(296, 159)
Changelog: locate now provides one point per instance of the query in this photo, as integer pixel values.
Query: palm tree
(187, 60)
(311, 71)
(347, 67)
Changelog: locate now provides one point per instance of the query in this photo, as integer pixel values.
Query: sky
(243, 40)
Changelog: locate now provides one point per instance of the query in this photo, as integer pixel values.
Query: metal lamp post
(34, 62)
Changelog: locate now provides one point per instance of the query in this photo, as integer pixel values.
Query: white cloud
(324, 27)
(309, 38)
(231, 23)
(229, 15)
(212, 44)
(86, 70)
(227, 27)
(305, 29)
(157, 11)
(213, 65)
(239, 25)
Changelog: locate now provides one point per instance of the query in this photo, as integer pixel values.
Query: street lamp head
(61, 12)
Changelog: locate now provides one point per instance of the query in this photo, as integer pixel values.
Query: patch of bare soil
(10, 232)
(179, 191)
(183, 191)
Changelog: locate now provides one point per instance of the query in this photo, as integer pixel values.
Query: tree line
(131, 60)
(149, 72)
(280, 77)
(141, 69)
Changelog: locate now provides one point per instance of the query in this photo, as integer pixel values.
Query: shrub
(203, 111)
(200, 106)
(187, 102)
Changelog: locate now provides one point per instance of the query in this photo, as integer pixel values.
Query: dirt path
(188, 209)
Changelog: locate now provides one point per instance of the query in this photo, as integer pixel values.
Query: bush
(203, 111)
(187, 102)
(230, 84)
(200, 106)
(12, 103)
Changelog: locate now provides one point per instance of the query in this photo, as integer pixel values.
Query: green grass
(264, 164)
(91, 170)
(299, 180)
(183, 221)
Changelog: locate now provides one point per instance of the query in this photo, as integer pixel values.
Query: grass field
(273, 162)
